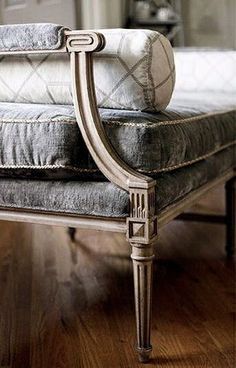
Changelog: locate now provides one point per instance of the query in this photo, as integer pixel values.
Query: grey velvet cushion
(34, 36)
(43, 141)
(104, 198)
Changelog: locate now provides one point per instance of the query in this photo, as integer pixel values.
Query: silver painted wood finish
(141, 225)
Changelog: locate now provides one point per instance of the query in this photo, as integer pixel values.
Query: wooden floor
(65, 305)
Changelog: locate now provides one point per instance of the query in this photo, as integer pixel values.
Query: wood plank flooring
(65, 305)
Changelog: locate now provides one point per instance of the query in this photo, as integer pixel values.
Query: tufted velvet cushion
(44, 141)
(140, 62)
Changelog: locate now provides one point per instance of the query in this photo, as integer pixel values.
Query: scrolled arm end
(84, 41)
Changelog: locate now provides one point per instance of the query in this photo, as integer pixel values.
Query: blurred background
(210, 23)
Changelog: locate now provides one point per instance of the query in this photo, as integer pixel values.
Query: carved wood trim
(84, 41)
(142, 223)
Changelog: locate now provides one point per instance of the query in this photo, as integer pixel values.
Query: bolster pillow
(205, 70)
(135, 71)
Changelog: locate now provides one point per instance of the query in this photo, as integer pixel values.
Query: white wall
(33, 11)
(210, 23)
(101, 13)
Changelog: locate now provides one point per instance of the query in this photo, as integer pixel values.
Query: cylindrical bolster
(31, 37)
(135, 71)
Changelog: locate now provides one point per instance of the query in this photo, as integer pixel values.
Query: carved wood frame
(142, 224)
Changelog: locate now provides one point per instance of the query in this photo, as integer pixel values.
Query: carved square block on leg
(142, 230)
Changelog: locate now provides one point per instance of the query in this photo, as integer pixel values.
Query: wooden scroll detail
(82, 41)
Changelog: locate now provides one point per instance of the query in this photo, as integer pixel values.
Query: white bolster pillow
(205, 69)
(135, 71)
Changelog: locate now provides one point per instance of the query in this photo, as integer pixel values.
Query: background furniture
(163, 16)
(205, 24)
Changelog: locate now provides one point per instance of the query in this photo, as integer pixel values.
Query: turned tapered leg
(71, 233)
(230, 188)
(142, 256)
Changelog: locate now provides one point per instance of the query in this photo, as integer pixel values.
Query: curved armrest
(81, 44)
(142, 223)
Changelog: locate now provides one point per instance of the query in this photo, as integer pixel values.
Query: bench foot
(144, 355)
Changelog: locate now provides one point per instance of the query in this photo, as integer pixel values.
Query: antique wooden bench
(130, 167)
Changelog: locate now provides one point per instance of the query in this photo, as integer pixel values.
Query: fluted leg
(142, 235)
(230, 216)
(142, 256)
